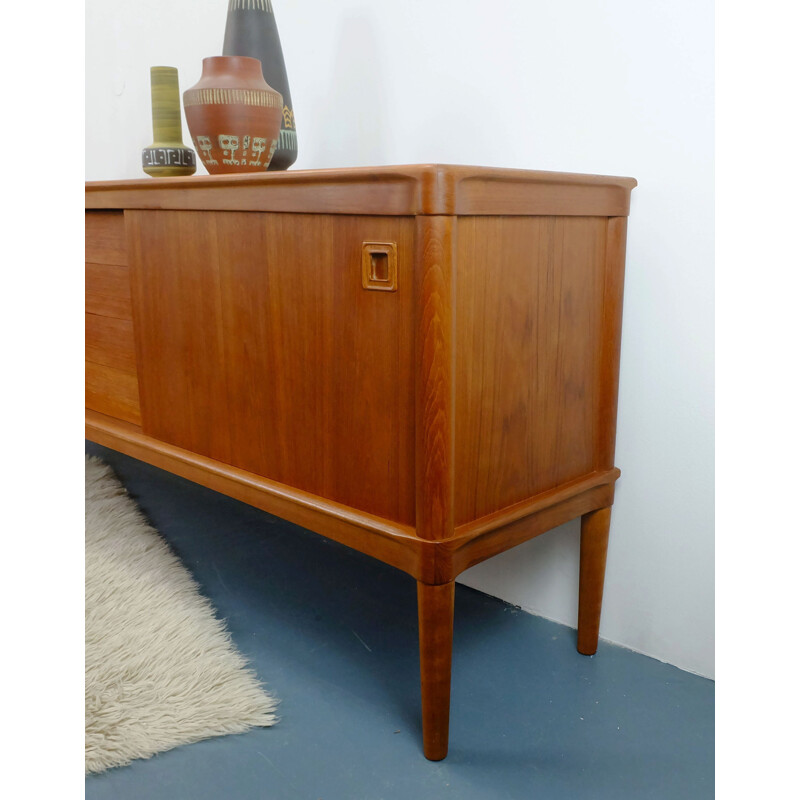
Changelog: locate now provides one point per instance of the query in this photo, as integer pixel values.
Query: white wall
(618, 87)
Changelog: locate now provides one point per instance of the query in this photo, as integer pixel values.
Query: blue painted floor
(334, 635)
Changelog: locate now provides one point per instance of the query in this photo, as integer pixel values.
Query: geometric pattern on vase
(234, 116)
(235, 150)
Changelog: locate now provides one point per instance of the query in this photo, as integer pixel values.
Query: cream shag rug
(161, 670)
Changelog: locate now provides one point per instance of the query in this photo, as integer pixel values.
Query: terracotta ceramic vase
(234, 117)
(250, 30)
(167, 155)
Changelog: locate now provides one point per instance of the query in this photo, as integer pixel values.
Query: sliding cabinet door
(319, 367)
(261, 347)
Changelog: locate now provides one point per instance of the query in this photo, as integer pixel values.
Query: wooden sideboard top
(419, 189)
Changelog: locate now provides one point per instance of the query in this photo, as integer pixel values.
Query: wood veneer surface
(178, 322)
(429, 561)
(438, 189)
(320, 370)
(110, 343)
(528, 343)
(435, 405)
(105, 238)
(113, 392)
(259, 347)
(111, 374)
(108, 291)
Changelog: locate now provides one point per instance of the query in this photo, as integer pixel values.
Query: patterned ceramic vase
(251, 31)
(233, 115)
(167, 155)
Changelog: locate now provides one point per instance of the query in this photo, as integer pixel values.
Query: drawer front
(113, 392)
(109, 342)
(261, 347)
(105, 238)
(111, 377)
(108, 291)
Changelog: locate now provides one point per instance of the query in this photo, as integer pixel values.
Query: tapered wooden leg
(594, 545)
(435, 657)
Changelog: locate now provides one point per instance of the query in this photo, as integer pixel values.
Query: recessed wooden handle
(379, 266)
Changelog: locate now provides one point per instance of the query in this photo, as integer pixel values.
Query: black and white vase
(251, 31)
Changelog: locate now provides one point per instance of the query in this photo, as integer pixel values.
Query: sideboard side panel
(178, 326)
(529, 305)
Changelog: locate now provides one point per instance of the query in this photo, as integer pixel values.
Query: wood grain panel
(389, 542)
(435, 605)
(594, 548)
(105, 238)
(611, 341)
(178, 324)
(113, 392)
(110, 342)
(320, 369)
(433, 562)
(435, 408)
(472, 549)
(528, 330)
(108, 291)
(437, 189)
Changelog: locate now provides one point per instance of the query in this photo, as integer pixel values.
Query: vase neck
(243, 66)
(166, 104)
(254, 5)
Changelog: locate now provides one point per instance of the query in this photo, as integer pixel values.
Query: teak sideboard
(419, 362)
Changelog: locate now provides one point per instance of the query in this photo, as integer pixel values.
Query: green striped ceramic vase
(167, 155)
